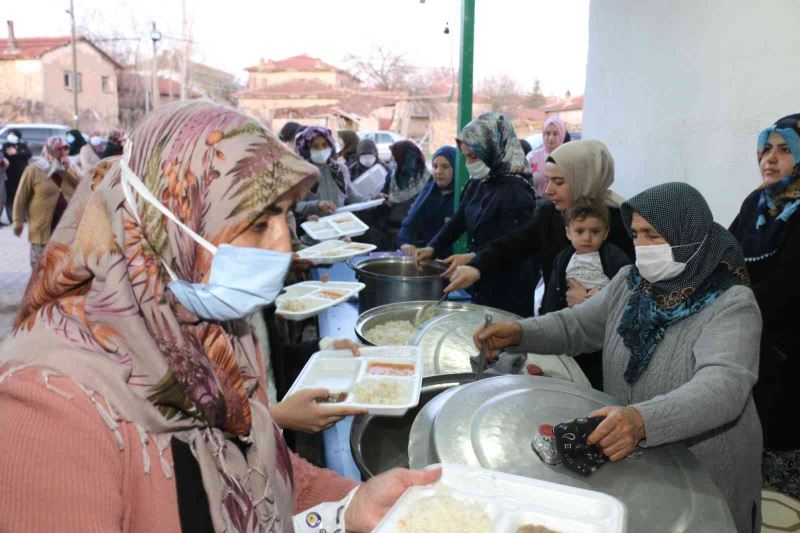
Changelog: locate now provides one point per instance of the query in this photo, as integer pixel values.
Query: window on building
(68, 81)
(105, 84)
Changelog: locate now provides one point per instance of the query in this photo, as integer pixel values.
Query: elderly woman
(434, 206)
(679, 333)
(554, 133)
(497, 200)
(43, 194)
(132, 392)
(315, 145)
(574, 170)
(768, 228)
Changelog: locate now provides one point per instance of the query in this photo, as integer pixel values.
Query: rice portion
(394, 332)
(296, 305)
(379, 392)
(443, 513)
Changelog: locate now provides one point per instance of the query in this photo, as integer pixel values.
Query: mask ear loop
(699, 246)
(128, 179)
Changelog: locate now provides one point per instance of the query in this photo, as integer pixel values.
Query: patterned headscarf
(714, 263)
(97, 308)
(302, 145)
(52, 148)
(492, 138)
(778, 201)
(411, 175)
(588, 170)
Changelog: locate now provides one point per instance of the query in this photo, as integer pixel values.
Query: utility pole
(464, 97)
(186, 54)
(75, 85)
(155, 36)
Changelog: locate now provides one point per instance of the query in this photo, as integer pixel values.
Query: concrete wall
(21, 79)
(679, 90)
(99, 108)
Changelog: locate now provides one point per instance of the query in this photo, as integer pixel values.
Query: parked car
(35, 134)
(383, 139)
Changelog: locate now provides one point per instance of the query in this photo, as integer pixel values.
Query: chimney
(12, 39)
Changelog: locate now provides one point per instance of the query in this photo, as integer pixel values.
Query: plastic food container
(335, 226)
(361, 206)
(346, 376)
(309, 298)
(515, 501)
(330, 252)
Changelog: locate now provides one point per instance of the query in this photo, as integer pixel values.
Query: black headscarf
(78, 142)
(365, 147)
(526, 146)
(714, 263)
(411, 175)
(289, 130)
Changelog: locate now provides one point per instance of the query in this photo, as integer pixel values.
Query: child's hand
(576, 294)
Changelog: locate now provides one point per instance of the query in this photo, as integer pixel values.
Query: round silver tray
(408, 310)
(490, 424)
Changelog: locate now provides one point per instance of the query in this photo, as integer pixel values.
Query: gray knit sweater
(696, 390)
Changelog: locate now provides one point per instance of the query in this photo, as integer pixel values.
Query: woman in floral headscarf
(498, 199)
(121, 408)
(44, 191)
(768, 228)
(315, 145)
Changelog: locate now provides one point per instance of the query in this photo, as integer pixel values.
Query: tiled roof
(36, 47)
(304, 88)
(302, 62)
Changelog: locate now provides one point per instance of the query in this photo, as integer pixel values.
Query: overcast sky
(526, 39)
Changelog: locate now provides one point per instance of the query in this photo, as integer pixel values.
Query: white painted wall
(680, 89)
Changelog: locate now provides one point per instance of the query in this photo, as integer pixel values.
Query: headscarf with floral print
(302, 145)
(97, 309)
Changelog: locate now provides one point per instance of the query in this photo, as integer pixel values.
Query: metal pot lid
(446, 343)
(490, 423)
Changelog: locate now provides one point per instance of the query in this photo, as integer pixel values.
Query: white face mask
(321, 156)
(70, 138)
(655, 262)
(13, 139)
(367, 160)
(478, 170)
(96, 140)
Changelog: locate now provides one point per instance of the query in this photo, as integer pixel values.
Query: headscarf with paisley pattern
(97, 309)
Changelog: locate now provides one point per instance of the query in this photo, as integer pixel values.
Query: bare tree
(503, 94)
(383, 69)
(536, 98)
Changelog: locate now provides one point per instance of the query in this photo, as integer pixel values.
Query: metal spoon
(425, 309)
(484, 349)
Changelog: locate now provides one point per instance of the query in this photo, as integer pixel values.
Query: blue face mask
(242, 279)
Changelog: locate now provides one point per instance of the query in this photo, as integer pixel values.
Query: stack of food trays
(361, 206)
(470, 499)
(329, 252)
(335, 227)
(304, 300)
(385, 380)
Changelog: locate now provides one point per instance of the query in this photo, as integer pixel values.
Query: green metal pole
(464, 98)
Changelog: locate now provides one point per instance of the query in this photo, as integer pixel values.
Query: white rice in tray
(443, 513)
(295, 306)
(375, 392)
(396, 332)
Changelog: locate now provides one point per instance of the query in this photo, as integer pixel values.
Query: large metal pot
(380, 443)
(397, 279)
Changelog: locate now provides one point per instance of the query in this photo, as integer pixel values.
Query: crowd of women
(139, 398)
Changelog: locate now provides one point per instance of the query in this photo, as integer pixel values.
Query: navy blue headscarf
(714, 263)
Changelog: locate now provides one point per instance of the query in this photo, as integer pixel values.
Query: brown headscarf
(97, 309)
(588, 170)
